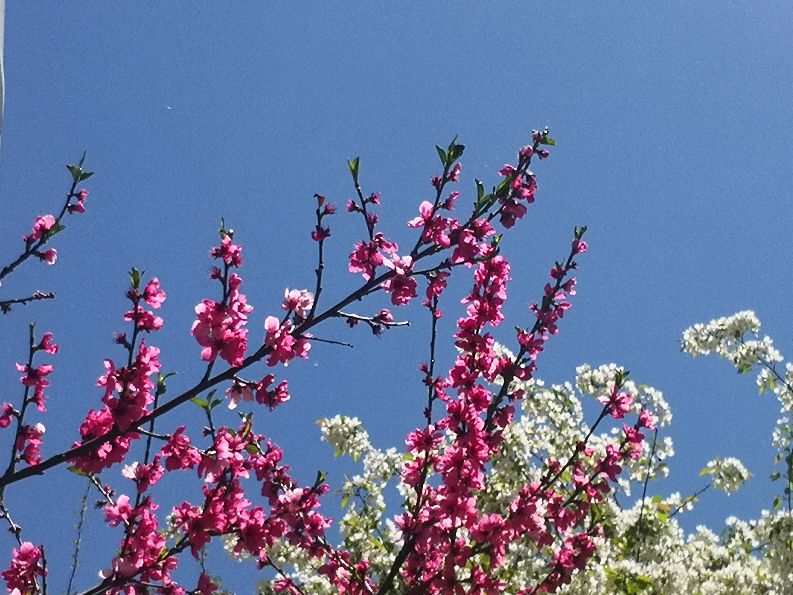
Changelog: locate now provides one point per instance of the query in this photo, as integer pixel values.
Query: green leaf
(441, 154)
(321, 475)
(345, 500)
(547, 140)
(76, 172)
(77, 471)
(134, 278)
(777, 502)
(161, 387)
(200, 402)
(353, 165)
(55, 230)
(774, 476)
(480, 191)
(82, 160)
(85, 175)
(455, 152)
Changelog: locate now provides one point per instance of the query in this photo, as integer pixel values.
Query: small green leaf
(76, 172)
(345, 500)
(777, 502)
(55, 230)
(134, 278)
(85, 175)
(82, 159)
(353, 165)
(200, 402)
(774, 476)
(480, 190)
(441, 154)
(77, 471)
(455, 152)
(321, 475)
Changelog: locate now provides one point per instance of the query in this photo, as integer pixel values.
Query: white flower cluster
(642, 548)
(727, 337)
(346, 435)
(727, 475)
(719, 334)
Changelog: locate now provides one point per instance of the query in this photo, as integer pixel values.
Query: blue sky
(674, 129)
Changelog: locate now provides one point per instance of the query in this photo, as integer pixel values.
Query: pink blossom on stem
(48, 256)
(298, 301)
(219, 329)
(79, 206)
(239, 391)
(153, 295)
(401, 285)
(144, 476)
(285, 347)
(25, 569)
(41, 227)
(272, 397)
(46, 345)
(179, 453)
(37, 379)
(7, 414)
(618, 403)
(228, 252)
(29, 442)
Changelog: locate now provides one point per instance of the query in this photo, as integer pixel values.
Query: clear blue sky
(675, 137)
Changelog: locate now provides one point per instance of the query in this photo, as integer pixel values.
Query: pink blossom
(579, 246)
(284, 346)
(618, 403)
(7, 415)
(46, 345)
(401, 285)
(153, 295)
(48, 256)
(320, 233)
(365, 258)
(36, 378)
(272, 397)
(298, 301)
(41, 227)
(229, 252)
(109, 453)
(29, 442)
(646, 420)
(179, 452)
(144, 476)
(79, 206)
(25, 569)
(239, 391)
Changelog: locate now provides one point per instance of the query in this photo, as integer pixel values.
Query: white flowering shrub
(642, 548)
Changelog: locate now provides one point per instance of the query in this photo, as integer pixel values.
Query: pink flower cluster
(26, 568)
(284, 346)
(262, 392)
(129, 390)
(220, 326)
(45, 226)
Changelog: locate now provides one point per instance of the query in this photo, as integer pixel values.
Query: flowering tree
(505, 487)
